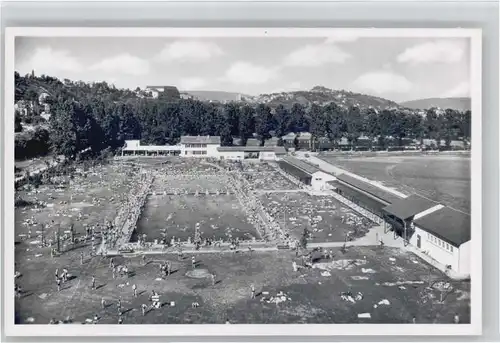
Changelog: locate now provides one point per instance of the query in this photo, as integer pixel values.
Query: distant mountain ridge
(318, 95)
(462, 104)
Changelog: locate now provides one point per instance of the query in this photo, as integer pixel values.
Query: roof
(373, 190)
(291, 169)
(374, 204)
(279, 150)
(253, 142)
(304, 136)
(448, 224)
(271, 141)
(289, 135)
(410, 206)
(200, 139)
(276, 149)
(153, 148)
(308, 168)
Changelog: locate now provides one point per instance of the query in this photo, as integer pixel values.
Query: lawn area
(327, 219)
(393, 284)
(90, 198)
(219, 216)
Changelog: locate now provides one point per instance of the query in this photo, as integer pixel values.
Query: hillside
(216, 95)
(321, 96)
(461, 104)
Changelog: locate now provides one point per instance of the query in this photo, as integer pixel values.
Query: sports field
(446, 179)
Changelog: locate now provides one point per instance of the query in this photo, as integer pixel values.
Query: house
(261, 153)
(43, 98)
(304, 141)
(289, 140)
(186, 96)
(169, 91)
(134, 147)
(200, 146)
(324, 144)
(273, 141)
(305, 172)
(253, 142)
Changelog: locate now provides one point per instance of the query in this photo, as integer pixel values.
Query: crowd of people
(120, 232)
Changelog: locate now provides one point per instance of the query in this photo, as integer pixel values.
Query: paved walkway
(329, 168)
(266, 191)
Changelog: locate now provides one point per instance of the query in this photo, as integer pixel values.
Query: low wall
(392, 153)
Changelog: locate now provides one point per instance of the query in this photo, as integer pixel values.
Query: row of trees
(95, 120)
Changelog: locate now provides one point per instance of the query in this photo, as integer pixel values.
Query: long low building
(205, 146)
(263, 153)
(364, 194)
(438, 231)
(305, 172)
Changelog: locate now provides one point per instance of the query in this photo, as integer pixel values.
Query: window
(447, 246)
(451, 248)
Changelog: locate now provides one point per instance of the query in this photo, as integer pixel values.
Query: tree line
(102, 117)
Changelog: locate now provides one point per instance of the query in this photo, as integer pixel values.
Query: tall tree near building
(263, 122)
(298, 120)
(246, 124)
(282, 119)
(336, 123)
(318, 124)
(354, 124)
(371, 129)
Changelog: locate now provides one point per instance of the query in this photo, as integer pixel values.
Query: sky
(398, 69)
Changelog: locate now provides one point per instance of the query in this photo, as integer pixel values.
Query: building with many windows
(262, 153)
(433, 229)
(200, 146)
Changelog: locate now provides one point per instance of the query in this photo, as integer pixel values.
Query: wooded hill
(102, 117)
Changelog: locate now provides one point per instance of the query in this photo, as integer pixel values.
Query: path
(268, 191)
(329, 168)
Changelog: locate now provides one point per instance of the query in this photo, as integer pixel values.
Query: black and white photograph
(246, 176)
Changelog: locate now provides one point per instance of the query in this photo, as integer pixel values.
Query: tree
(246, 124)
(17, 122)
(318, 123)
(354, 124)
(298, 119)
(263, 122)
(372, 128)
(336, 123)
(282, 120)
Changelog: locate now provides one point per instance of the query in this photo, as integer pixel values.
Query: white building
(134, 147)
(307, 173)
(438, 231)
(263, 153)
(200, 146)
(444, 235)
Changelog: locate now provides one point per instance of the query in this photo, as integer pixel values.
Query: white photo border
(210, 330)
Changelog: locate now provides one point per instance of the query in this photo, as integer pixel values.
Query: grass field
(397, 280)
(445, 179)
(88, 199)
(219, 216)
